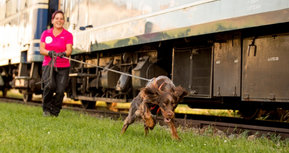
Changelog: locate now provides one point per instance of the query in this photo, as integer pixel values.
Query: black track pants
(53, 89)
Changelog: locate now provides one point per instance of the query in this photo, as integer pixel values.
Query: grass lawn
(24, 129)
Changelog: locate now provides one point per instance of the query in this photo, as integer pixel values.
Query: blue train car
(21, 25)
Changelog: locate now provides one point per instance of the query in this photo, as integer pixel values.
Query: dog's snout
(170, 113)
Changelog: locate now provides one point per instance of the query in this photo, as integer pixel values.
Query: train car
(227, 54)
(21, 25)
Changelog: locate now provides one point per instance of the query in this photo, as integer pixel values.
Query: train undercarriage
(25, 77)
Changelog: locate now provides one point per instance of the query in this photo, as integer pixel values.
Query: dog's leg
(149, 123)
(146, 130)
(127, 122)
(132, 115)
(154, 118)
(147, 117)
(173, 130)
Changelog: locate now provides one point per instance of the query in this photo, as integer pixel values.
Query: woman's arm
(43, 51)
(68, 49)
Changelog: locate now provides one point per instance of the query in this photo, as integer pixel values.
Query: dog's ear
(180, 93)
(149, 95)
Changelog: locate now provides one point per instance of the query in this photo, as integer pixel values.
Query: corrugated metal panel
(192, 69)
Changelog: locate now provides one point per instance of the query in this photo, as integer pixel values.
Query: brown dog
(160, 92)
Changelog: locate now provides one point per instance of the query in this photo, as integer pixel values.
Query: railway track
(229, 125)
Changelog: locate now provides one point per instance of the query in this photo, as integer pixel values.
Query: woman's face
(58, 21)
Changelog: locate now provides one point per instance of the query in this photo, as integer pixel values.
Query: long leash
(115, 71)
(52, 66)
(53, 60)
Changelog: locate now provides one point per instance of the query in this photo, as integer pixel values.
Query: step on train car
(226, 54)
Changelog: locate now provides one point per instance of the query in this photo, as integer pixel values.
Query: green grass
(24, 129)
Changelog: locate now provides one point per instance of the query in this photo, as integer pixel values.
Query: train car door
(52, 7)
(265, 68)
(227, 67)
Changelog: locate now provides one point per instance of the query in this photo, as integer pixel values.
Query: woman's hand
(51, 53)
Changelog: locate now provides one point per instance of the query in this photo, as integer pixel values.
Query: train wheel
(88, 104)
(249, 113)
(285, 116)
(27, 97)
(4, 92)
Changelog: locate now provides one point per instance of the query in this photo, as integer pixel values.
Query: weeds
(24, 129)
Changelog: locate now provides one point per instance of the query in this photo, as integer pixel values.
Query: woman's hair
(56, 12)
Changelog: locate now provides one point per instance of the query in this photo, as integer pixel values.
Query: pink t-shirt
(58, 44)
